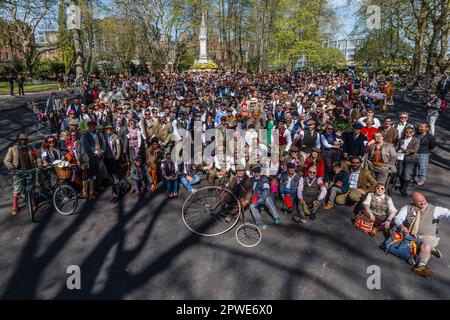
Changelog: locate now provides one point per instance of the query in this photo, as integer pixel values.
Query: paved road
(143, 251)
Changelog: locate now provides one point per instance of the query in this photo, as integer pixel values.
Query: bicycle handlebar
(34, 170)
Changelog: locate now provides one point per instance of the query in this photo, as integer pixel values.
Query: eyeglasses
(313, 172)
(51, 142)
(403, 117)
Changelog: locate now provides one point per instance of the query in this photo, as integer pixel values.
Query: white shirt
(439, 213)
(376, 122)
(406, 142)
(400, 128)
(353, 179)
(368, 200)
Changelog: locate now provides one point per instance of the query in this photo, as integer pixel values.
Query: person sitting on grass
(378, 206)
(140, 178)
(421, 219)
(336, 183)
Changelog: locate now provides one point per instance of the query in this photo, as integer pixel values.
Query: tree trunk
(79, 57)
(444, 63)
(439, 24)
(421, 17)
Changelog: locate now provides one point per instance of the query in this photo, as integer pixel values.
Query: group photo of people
(339, 143)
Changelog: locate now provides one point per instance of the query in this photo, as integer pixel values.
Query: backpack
(402, 245)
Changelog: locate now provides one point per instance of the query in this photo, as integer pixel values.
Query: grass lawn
(29, 87)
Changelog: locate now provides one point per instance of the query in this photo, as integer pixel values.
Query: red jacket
(368, 132)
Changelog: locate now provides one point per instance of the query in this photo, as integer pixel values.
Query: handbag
(363, 222)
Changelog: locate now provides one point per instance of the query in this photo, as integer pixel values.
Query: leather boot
(92, 189)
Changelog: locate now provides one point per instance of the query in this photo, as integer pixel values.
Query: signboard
(74, 17)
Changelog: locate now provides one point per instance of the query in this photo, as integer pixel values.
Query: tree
(66, 48)
(20, 20)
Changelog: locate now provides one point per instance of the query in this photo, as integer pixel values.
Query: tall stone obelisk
(203, 46)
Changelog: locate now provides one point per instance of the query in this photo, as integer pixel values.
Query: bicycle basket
(63, 173)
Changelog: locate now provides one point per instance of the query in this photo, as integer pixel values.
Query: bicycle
(62, 195)
(215, 210)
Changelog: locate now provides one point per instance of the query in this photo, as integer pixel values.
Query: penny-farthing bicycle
(214, 210)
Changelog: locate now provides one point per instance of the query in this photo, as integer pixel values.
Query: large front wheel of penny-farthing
(248, 235)
(211, 211)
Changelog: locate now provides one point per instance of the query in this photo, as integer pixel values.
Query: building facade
(347, 46)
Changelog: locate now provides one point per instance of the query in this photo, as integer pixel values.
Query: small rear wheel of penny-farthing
(248, 235)
(211, 211)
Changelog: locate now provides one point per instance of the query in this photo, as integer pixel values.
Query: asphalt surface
(142, 250)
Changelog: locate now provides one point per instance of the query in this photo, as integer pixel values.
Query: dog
(120, 189)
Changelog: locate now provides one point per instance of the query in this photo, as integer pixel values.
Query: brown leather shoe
(424, 271)
(35, 208)
(329, 206)
(14, 212)
(373, 232)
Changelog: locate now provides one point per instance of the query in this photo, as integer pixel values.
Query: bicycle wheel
(28, 198)
(65, 200)
(248, 235)
(211, 211)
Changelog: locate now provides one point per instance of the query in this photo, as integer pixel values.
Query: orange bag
(363, 222)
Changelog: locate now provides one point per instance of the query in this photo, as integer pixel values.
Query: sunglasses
(312, 172)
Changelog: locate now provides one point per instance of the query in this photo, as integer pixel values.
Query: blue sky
(346, 12)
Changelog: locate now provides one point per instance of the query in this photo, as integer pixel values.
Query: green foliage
(48, 68)
(297, 33)
(331, 58)
(202, 66)
(66, 47)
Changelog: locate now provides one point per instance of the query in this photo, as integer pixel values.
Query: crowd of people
(337, 146)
